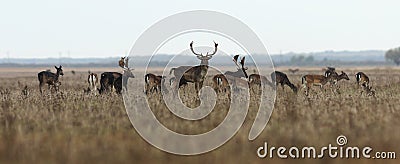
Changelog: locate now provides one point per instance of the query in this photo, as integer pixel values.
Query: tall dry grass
(72, 127)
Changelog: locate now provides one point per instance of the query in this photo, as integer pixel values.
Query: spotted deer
(49, 78)
(314, 80)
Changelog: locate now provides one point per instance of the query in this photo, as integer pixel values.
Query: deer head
(204, 58)
(59, 70)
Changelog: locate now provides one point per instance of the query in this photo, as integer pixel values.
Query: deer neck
(204, 62)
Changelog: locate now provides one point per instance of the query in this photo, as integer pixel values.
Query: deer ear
(55, 67)
(60, 66)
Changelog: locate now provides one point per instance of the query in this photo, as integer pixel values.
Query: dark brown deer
(220, 81)
(154, 83)
(49, 78)
(109, 80)
(194, 74)
(281, 78)
(316, 80)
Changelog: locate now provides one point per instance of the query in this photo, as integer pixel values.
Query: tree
(393, 55)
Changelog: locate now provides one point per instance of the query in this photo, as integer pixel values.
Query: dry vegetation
(72, 127)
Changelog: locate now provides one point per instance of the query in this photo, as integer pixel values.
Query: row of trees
(393, 55)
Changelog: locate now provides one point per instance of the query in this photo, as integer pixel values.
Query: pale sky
(93, 28)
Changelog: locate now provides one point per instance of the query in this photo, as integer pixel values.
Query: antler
(215, 50)
(242, 62)
(235, 60)
(191, 48)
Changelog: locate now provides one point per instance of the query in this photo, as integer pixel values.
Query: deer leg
(40, 88)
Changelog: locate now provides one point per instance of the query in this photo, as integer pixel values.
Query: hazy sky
(93, 28)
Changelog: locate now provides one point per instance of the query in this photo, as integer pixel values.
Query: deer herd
(221, 83)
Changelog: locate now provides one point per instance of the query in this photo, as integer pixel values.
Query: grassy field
(73, 127)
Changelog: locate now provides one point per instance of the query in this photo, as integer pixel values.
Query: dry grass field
(73, 127)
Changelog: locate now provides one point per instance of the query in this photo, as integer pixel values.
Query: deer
(49, 78)
(241, 70)
(93, 80)
(194, 74)
(257, 80)
(109, 80)
(362, 79)
(317, 80)
(281, 78)
(220, 81)
(154, 83)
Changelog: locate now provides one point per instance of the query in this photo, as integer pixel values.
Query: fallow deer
(241, 70)
(195, 74)
(49, 78)
(317, 80)
(220, 81)
(362, 79)
(256, 80)
(281, 78)
(109, 80)
(154, 83)
(93, 80)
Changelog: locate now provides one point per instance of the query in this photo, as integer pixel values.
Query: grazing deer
(293, 71)
(154, 83)
(93, 80)
(195, 74)
(220, 83)
(50, 78)
(317, 80)
(108, 80)
(281, 78)
(362, 79)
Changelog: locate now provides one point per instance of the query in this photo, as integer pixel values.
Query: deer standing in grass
(116, 80)
(281, 78)
(154, 83)
(316, 80)
(194, 74)
(49, 78)
(220, 81)
(363, 80)
(92, 80)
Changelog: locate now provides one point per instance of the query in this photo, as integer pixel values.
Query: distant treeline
(326, 58)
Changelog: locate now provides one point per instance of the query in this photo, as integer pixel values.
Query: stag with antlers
(49, 78)
(197, 73)
(220, 81)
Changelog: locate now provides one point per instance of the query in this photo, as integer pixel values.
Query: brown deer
(154, 83)
(195, 74)
(281, 78)
(109, 80)
(257, 80)
(317, 80)
(362, 79)
(49, 78)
